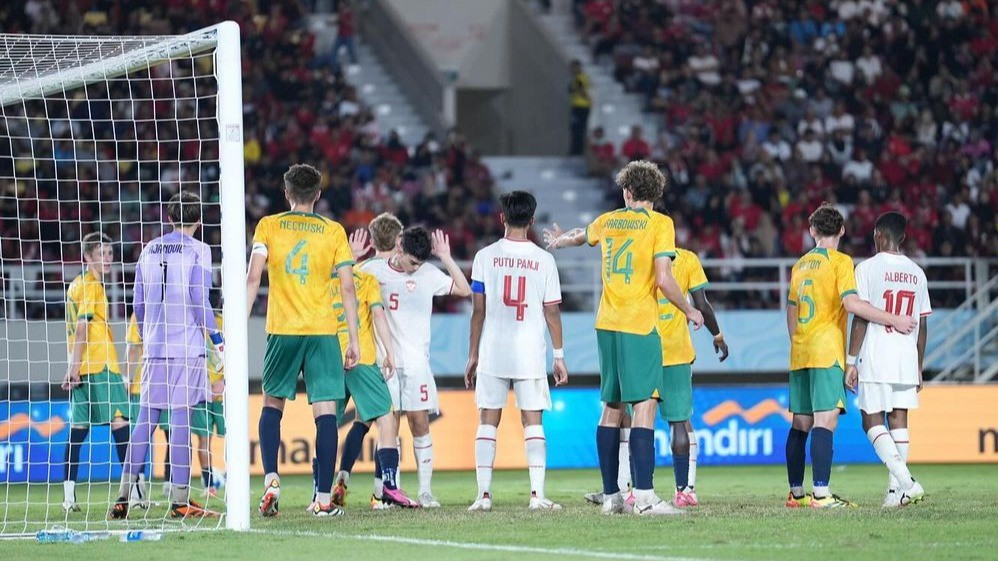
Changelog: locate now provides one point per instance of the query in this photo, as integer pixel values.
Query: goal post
(99, 132)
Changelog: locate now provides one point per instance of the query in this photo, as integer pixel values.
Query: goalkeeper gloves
(219, 352)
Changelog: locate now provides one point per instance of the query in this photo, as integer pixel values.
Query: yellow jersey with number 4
(677, 344)
(303, 252)
(630, 239)
(368, 298)
(87, 300)
(818, 283)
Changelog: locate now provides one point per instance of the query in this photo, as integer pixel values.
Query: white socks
(423, 448)
(343, 476)
(694, 450)
(887, 451)
(901, 441)
(69, 491)
(537, 455)
(485, 457)
(624, 457)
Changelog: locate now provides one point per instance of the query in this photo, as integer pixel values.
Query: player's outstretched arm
(441, 249)
(258, 262)
(552, 316)
(859, 307)
(923, 336)
(701, 303)
(670, 288)
(384, 338)
(856, 336)
(556, 238)
(348, 292)
(475, 339)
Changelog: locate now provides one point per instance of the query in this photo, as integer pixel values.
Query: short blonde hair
(385, 230)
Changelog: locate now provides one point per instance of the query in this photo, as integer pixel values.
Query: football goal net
(97, 135)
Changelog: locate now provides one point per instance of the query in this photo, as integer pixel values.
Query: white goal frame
(225, 39)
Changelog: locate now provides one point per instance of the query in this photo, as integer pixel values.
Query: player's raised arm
(360, 244)
(441, 249)
(475, 339)
(556, 238)
(701, 303)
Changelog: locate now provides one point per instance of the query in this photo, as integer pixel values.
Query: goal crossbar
(34, 66)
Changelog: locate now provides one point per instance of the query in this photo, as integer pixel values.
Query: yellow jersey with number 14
(303, 252)
(368, 298)
(630, 239)
(677, 344)
(818, 283)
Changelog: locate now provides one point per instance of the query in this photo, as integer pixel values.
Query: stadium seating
(765, 110)
(299, 105)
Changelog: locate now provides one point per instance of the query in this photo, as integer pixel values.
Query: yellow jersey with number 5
(303, 252)
(368, 298)
(818, 283)
(630, 239)
(677, 344)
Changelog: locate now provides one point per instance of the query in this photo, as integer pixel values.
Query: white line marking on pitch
(481, 546)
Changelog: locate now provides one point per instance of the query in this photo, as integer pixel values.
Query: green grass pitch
(741, 517)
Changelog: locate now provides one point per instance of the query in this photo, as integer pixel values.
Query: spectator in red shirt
(600, 157)
(635, 147)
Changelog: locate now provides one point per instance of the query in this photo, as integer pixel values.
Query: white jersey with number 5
(518, 280)
(894, 283)
(408, 300)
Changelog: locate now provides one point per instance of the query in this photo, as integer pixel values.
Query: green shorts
(677, 393)
(133, 406)
(316, 357)
(369, 392)
(630, 366)
(99, 399)
(208, 416)
(817, 389)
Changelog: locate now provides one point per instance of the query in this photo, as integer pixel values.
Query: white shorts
(532, 394)
(877, 397)
(414, 389)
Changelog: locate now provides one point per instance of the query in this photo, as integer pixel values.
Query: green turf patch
(741, 517)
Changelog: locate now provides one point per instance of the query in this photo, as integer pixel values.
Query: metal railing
(27, 291)
(970, 349)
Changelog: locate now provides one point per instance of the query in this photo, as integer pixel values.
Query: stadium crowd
(766, 108)
(61, 177)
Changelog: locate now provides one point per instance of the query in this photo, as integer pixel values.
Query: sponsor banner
(733, 424)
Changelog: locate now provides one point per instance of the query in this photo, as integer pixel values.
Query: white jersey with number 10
(893, 283)
(518, 280)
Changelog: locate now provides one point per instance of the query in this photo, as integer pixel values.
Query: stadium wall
(757, 340)
(734, 425)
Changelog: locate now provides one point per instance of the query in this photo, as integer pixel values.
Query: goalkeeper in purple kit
(172, 283)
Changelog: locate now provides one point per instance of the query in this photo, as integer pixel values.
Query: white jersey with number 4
(518, 280)
(894, 283)
(408, 301)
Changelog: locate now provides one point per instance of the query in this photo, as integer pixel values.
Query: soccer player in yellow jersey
(97, 388)
(302, 252)
(637, 246)
(822, 295)
(678, 355)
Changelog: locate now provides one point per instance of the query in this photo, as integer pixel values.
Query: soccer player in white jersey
(408, 286)
(516, 293)
(887, 365)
